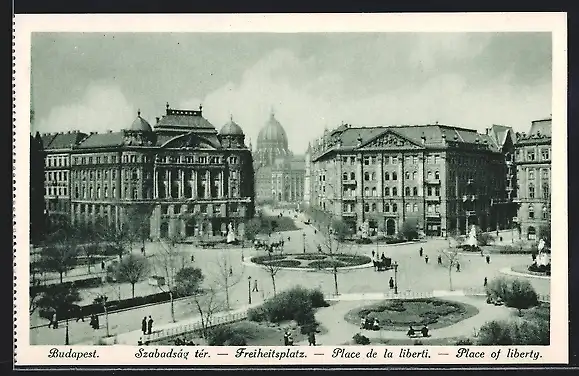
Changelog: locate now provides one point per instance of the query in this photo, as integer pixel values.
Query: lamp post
(249, 289)
(304, 237)
(395, 277)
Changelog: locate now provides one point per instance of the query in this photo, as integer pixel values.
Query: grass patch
(323, 264)
(267, 258)
(309, 257)
(399, 314)
(284, 263)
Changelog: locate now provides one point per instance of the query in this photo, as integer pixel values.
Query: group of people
(412, 332)
(147, 325)
(370, 323)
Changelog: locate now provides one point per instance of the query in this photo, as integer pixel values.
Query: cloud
(103, 107)
(308, 99)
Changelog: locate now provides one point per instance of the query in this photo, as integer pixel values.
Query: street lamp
(304, 236)
(395, 277)
(249, 289)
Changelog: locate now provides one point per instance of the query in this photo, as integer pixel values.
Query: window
(387, 176)
(344, 159)
(386, 159)
(545, 174)
(352, 160)
(366, 161)
(407, 159)
(106, 191)
(429, 175)
(352, 176)
(373, 176)
(114, 192)
(386, 208)
(373, 207)
(394, 208)
(436, 175)
(407, 174)
(437, 191)
(436, 156)
(373, 159)
(90, 192)
(98, 192)
(546, 191)
(394, 191)
(387, 191)
(407, 191)
(437, 208)
(135, 193)
(415, 207)
(429, 189)
(366, 176)
(407, 208)
(76, 192)
(395, 160)
(429, 159)
(415, 191)
(545, 213)
(531, 156)
(430, 208)
(366, 191)
(414, 175)
(531, 174)
(531, 191)
(415, 159)
(366, 207)
(345, 176)
(545, 154)
(374, 192)
(531, 212)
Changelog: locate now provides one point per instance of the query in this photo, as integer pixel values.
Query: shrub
(521, 295)
(229, 335)
(265, 258)
(285, 263)
(464, 342)
(360, 339)
(363, 241)
(317, 299)
(76, 284)
(484, 238)
(409, 229)
(540, 268)
(514, 333)
(257, 314)
(418, 343)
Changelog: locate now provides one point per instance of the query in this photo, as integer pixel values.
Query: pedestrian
(96, 322)
(54, 321)
(144, 325)
(288, 238)
(439, 260)
(312, 337)
(426, 258)
(103, 265)
(255, 286)
(383, 257)
(485, 282)
(286, 338)
(143, 251)
(458, 266)
(391, 283)
(290, 339)
(192, 258)
(373, 255)
(421, 251)
(150, 325)
(488, 259)
(230, 271)
(140, 342)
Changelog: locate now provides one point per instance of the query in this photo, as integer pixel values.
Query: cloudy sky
(96, 82)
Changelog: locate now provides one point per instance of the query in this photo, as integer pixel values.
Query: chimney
(157, 119)
(487, 131)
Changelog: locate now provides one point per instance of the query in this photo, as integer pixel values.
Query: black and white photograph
(332, 190)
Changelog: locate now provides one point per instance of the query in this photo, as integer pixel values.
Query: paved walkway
(509, 271)
(340, 331)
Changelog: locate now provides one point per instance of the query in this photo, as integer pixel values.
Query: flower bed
(284, 263)
(323, 264)
(266, 258)
(353, 260)
(312, 261)
(310, 257)
(400, 314)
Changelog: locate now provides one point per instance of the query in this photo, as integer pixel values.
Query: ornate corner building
(442, 178)
(279, 174)
(190, 178)
(533, 161)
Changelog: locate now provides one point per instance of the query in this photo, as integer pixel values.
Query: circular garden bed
(400, 314)
(312, 261)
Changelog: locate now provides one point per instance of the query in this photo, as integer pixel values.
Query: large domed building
(279, 175)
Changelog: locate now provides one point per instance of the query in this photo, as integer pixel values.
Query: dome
(231, 129)
(272, 133)
(141, 124)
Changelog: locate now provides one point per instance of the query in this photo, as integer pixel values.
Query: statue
(543, 258)
(472, 237)
(230, 233)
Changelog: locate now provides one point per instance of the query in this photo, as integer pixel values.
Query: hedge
(284, 263)
(116, 305)
(86, 283)
(310, 257)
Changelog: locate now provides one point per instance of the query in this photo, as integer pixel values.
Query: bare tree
(227, 277)
(208, 304)
(334, 234)
(169, 260)
(451, 255)
(272, 269)
(132, 269)
(59, 258)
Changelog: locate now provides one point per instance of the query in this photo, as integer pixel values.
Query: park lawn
(429, 341)
(399, 314)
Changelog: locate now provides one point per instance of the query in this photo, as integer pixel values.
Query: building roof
(541, 127)
(272, 133)
(140, 124)
(187, 119)
(96, 140)
(61, 140)
(231, 129)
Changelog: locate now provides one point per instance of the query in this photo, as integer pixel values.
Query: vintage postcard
(279, 189)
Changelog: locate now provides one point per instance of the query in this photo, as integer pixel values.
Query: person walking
(485, 283)
(373, 255)
(488, 259)
(103, 265)
(230, 271)
(439, 260)
(426, 258)
(312, 337)
(255, 289)
(144, 325)
(286, 338)
(391, 283)
(421, 251)
(458, 266)
(150, 325)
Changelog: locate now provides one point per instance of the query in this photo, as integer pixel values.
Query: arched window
(374, 192)
(366, 191)
(386, 208)
(407, 208)
(366, 176)
(415, 191)
(387, 191)
(394, 176)
(545, 212)
(415, 207)
(387, 176)
(345, 176)
(366, 207)
(437, 175)
(407, 174)
(394, 191)
(531, 212)
(407, 191)
(394, 208)
(373, 176)
(429, 174)
(414, 175)
(352, 176)
(373, 207)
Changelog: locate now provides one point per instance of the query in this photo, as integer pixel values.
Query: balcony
(349, 182)
(433, 181)
(432, 215)
(466, 198)
(433, 198)
(349, 215)
(348, 198)
(470, 181)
